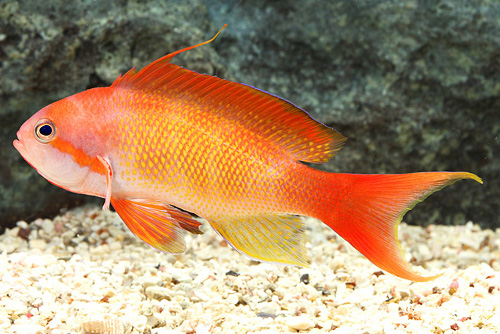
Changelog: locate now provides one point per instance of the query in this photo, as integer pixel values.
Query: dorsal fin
(273, 119)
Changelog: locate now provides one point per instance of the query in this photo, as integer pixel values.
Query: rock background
(414, 85)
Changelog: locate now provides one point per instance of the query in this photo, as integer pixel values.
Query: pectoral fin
(158, 224)
(274, 238)
(106, 164)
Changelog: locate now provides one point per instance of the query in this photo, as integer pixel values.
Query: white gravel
(83, 272)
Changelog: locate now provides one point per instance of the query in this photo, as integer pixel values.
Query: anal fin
(158, 224)
(273, 238)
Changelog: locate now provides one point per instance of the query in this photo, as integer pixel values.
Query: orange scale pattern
(199, 162)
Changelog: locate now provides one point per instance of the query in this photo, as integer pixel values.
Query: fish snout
(18, 144)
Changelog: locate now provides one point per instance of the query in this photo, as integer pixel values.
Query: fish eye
(45, 131)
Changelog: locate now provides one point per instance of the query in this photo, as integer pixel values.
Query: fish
(165, 145)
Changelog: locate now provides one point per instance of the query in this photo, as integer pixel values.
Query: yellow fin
(158, 224)
(273, 238)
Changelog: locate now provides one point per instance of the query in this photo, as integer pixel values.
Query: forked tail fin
(367, 210)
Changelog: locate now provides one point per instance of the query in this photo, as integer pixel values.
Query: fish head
(55, 142)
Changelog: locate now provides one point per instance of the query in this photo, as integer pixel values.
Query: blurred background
(414, 85)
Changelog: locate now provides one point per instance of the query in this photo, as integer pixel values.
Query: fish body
(166, 141)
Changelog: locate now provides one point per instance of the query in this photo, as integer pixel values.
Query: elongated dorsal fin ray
(131, 77)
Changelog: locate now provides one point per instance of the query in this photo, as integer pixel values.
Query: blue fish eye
(45, 131)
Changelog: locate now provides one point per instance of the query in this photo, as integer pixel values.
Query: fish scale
(164, 142)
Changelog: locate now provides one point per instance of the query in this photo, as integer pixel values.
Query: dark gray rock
(415, 85)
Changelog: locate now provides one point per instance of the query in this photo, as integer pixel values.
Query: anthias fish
(165, 141)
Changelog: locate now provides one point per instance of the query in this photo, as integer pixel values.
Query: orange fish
(165, 141)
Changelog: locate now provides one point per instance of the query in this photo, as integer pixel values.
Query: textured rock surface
(415, 85)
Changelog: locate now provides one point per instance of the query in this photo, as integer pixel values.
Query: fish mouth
(20, 147)
(18, 144)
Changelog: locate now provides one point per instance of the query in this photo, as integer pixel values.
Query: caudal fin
(368, 209)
